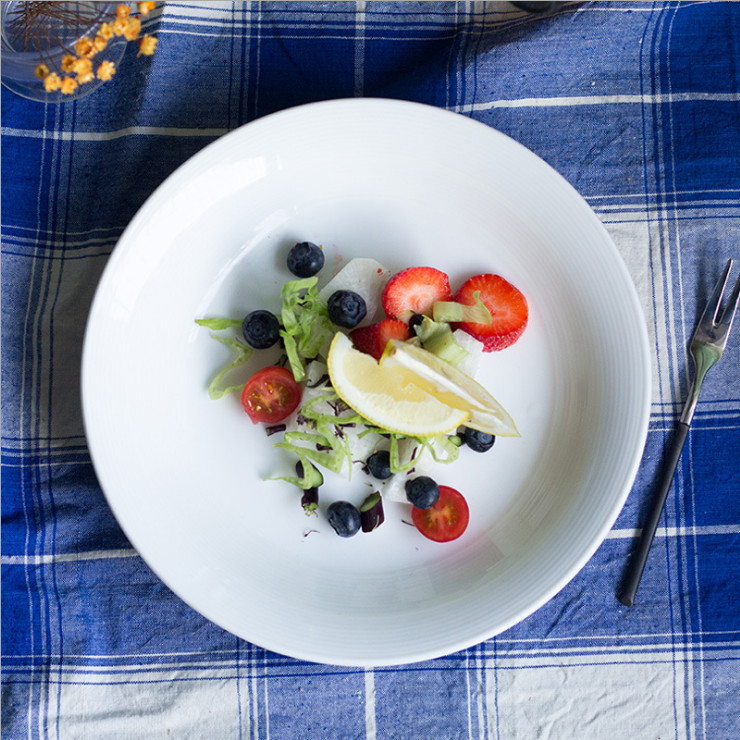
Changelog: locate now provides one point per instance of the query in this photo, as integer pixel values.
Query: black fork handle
(637, 562)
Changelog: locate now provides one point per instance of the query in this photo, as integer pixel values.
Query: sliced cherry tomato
(271, 395)
(446, 520)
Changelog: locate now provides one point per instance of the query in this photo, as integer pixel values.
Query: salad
(376, 374)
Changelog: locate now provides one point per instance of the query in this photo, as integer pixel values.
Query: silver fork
(707, 345)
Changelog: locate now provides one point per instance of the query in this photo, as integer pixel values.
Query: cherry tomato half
(446, 520)
(271, 395)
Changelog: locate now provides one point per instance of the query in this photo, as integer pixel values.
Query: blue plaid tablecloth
(637, 104)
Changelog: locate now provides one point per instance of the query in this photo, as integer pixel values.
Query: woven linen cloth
(637, 105)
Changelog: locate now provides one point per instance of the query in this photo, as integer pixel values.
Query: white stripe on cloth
(370, 723)
(70, 557)
(360, 48)
(111, 135)
(619, 99)
(685, 531)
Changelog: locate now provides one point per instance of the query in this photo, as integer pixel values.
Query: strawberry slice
(372, 339)
(415, 289)
(508, 307)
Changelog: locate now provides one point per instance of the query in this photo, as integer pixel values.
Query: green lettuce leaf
(217, 387)
(311, 478)
(218, 324)
(306, 323)
(450, 311)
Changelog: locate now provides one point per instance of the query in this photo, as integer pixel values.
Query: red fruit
(415, 289)
(446, 520)
(372, 339)
(508, 309)
(271, 395)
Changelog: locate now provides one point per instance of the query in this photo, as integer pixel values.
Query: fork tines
(712, 327)
(729, 312)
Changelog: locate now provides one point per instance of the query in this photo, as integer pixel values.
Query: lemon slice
(450, 386)
(388, 396)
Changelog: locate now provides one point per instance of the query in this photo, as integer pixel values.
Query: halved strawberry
(415, 289)
(508, 307)
(372, 339)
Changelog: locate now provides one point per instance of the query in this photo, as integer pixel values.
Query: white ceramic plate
(406, 184)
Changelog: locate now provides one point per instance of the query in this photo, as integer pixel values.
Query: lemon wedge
(388, 396)
(450, 386)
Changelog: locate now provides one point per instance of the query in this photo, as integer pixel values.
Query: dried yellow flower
(99, 43)
(119, 26)
(52, 82)
(85, 78)
(82, 66)
(68, 62)
(106, 31)
(84, 47)
(69, 85)
(106, 70)
(145, 7)
(41, 71)
(133, 28)
(147, 45)
(122, 11)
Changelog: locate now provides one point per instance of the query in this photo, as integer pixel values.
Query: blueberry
(305, 259)
(346, 308)
(422, 492)
(478, 441)
(379, 464)
(344, 517)
(416, 320)
(261, 329)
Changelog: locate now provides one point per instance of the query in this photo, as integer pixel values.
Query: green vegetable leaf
(443, 448)
(450, 311)
(242, 353)
(396, 465)
(217, 388)
(294, 359)
(306, 323)
(312, 476)
(437, 337)
(218, 324)
(341, 413)
(331, 458)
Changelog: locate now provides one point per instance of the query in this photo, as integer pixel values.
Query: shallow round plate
(406, 184)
